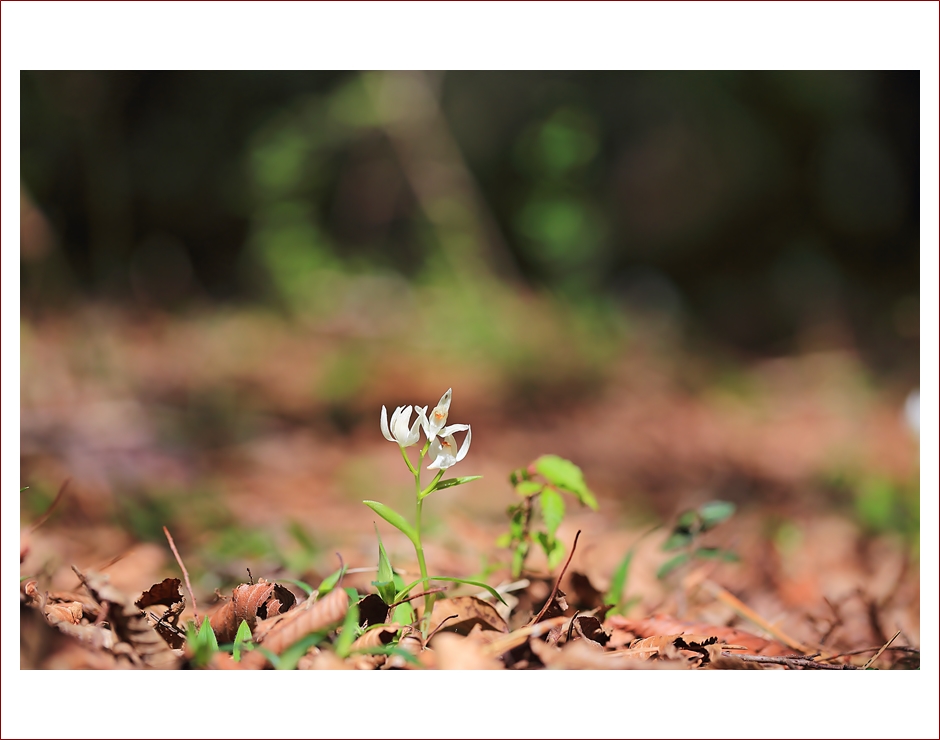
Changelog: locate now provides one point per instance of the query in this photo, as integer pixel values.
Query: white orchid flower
(444, 448)
(434, 424)
(400, 432)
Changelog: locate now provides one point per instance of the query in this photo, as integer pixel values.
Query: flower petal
(465, 447)
(385, 431)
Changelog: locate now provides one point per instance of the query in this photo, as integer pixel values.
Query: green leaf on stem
(395, 519)
(305, 587)
(670, 565)
(451, 482)
(678, 539)
(348, 632)
(619, 580)
(330, 581)
(529, 487)
(567, 476)
(714, 513)
(479, 584)
(553, 509)
(385, 582)
(714, 553)
(554, 550)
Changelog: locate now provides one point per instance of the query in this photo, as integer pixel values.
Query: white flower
(444, 448)
(434, 424)
(400, 432)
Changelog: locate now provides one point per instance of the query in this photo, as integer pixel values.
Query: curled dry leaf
(249, 602)
(311, 616)
(581, 655)
(660, 625)
(128, 625)
(372, 610)
(466, 612)
(376, 637)
(70, 612)
(165, 593)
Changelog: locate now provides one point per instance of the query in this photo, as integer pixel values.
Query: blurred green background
(760, 212)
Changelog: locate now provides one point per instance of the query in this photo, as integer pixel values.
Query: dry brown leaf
(249, 602)
(165, 593)
(659, 624)
(459, 615)
(70, 612)
(372, 610)
(376, 637)
(129, 625)
(312, 615)
(457, 653)
(582, 655)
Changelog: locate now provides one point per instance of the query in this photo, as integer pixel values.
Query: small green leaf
(348, 632)
(403, 614)
(518, 558)
(352, 593)
(619, 579)
(288, 660)
(671, 564)
(395, 519)
(567, 476)
(479, 584)
(714, 513)
(677, 540)
(451, 482)
(384, 583)
(554, 550)
(202, 642)
(330, 581)
(391, 650)
(242, 640)
(504, 540)
(305, 587)
(553, 509)
(714, 553)
(529, 487)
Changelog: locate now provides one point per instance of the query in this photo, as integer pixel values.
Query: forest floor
(254, 443)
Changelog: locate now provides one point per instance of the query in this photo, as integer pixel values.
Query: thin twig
(55, 502)
(179, 560)
(438, 628)
(433, 590)
(900, 648)
(791, 662)
(877, 655)
(551, 596)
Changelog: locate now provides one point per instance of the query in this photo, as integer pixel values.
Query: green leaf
(518, 558)
(714, 553)
(670, 565)
(288, 660)
(395, 519)
(529, 487)
(202, 642)
(479, 584)
(619, 579)
(504, 540)
(385, 582)
(553, 509)
(554, 550)
(242, 640)
(714, 513)
(451, 482)
(348, 632)
(403, 614)
(352, 593)
(330, 581)
(390, 650)
(305, 587)
(567, 476)
(677, 540)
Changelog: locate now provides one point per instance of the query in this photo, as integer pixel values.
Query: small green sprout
(686, 534)
(541, 485)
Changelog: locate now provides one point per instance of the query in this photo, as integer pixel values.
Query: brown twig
(884, 647)
(791, 662)
(52, 506)
(551, 596)
(900, 648)
(438, 628)
(179, 560)
(434, 590)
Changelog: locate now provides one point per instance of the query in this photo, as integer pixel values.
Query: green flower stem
(419, 545)
(407, 461)
(431, 486)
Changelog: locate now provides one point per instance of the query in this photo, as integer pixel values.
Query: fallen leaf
(458, 653)
(251, 602)
(372, 610)
(659, 625)
(466, 611)
(165, 593)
